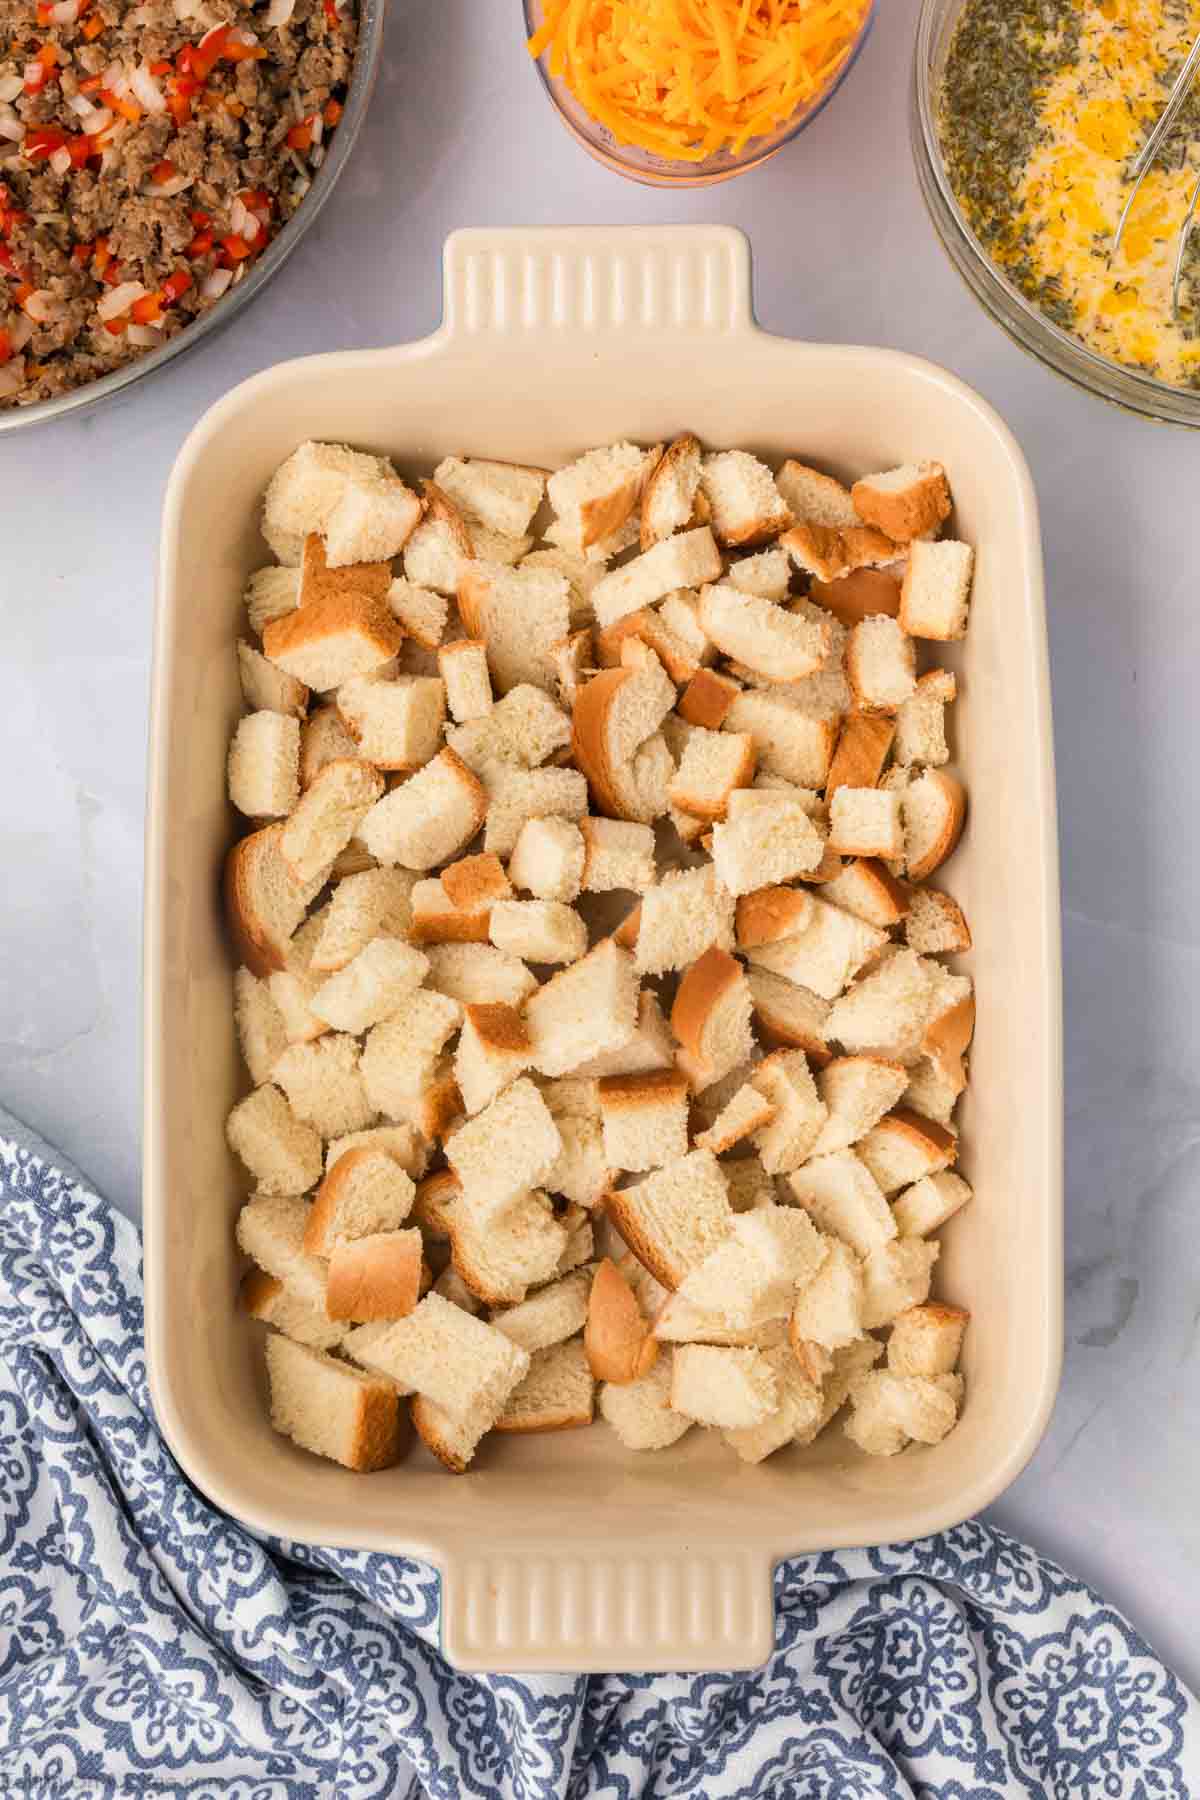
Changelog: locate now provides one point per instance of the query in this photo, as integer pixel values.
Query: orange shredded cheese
(685, 78)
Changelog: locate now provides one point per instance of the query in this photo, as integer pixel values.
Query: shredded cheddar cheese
(686, 78)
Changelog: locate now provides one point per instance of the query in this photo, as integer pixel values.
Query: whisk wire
(1144, 160)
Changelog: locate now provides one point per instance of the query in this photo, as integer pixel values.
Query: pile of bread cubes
(602, 1053)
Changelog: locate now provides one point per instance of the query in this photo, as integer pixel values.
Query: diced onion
(146, 90)
(12, 130)
(250, 227)
(214, 285)
(316, 127)
(318, 156)
(93, 118)
(144, 336)
(115, 79)
(10, 87)
(34, 75)
(60, 161)
(237, 218)
(20, 331)
(42, 307)
(12, 377)
(119, 299)
(279, 12)
(65, 12)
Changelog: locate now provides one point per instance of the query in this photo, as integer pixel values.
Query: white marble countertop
(459, 134)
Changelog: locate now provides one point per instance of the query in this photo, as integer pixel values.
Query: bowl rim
(610, 154)
(372, 15)
(1055, 348)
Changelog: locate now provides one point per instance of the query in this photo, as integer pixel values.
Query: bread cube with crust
(784, 1078)
(896, 1276)
(333, 1410)
(842, 1198)
(927, 1339)
(645, 1119)
(675, 1217)
(505, 1150)
(548, 859)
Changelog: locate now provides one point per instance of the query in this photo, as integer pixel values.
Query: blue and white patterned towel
(151, 1646)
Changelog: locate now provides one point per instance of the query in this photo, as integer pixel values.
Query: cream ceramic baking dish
(564, 1552)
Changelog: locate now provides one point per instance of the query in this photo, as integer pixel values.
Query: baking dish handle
(519, 1608)
(637, 280)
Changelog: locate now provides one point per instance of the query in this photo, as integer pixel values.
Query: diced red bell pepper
(163, 67)
(116, 327)
(333, 113)
(91, 84)
(236, 249)
(93, 27)
(112, 276)
(83, 253)
(180, 109)
(300, 136)
(43, 14)
(6, 348)
(175, 287)
(162, 171)
(6, 260)
(120, 103)
(41, 141)
(331, 15)
(200, 245)
(22, 292)
(81, 149)
(45, 63)
(147, 310)
(101, 255)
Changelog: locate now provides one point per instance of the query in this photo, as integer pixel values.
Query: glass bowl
(661, 171)
(1004, 302)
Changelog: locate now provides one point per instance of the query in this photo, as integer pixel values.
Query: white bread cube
(730, 1389)
(420, 610)
(797, 1411)
(828, 1310)
(921, 721)
(713, 764)
(594, 496)
(934, 1090)
(453, 1437)
(618, 854)
(769, 639)
(680, 613)
(669, 497)
(293, 988)
(457, 908)
(907, 502)
(753, 1274)
(794, 737)
(616, 738)
(816, 499)
(581, 577)
(372, 986)
(324, 1085)
(307, 486)
(502, 496)
(581, 1173)
(865, 821)
(523, 729)
(788, 1016)
(866, 889)
(683, 561)
(895, 1277)
(681, 917)
(429, 818)
(573, 662)
(493, 1049)
(785, 1079)
(561, 535)
(323, 739)
(842, 1198)
(442, 544)
(675, 1217)
(501, 1256)
(266, 688)
(340, 633)
(520, 614)
(890, 1411)
(272, 592)
(904, 1147)
(886, 1012)
(640, 1412)
(616, 1338)
(265, 1297)
(927, 1339)
(504, 1150)
(645, 1119)
(396, 723)
(548, 859)
(479, 975)
(261, 1031)
(365, 1192)
(468, 685)
(831, 555)
(775, 841)
(556, 1395)
(376, 903)
(400, 1055)
(747, 507)
(767, 575)
(706, 701)
(400, 1141)
(375, 1277)
(935, 925)
(826, 954)
(711, 1017)
(281, 1151)
(514, 796)
(327, 816)
(849, 1366)
(880, 665)
(679, 1321)
(372, 520)
(550, 1316)
(933, 808)
(935, 596)
(271, 1232)
(443, 1353)
(331, 1409)
(586, 1009)
(929, 1203)
(748, 1112)
(541, 931)
(858, 1091)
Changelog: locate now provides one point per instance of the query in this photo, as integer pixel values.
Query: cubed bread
(523, 729)
(713, 764)
(271, 1230)
(927, 1339)
(889, 1411)
(540, 931)
(753, 1274)
(332, 1409)
(494, 1048)
(771, 842)
(267, 1298)
(550, 1316)
(445, 1354)
(520, 614)
(617, 1339)
(675, 1217)
(280, 1149)
(402, 1141)
(465, 673)
(933, 808)
(785, 1079)
(265, 901)
(365, 1192)
(828, 1309)
(640, 1412)
(842, 1198)
(767, 574)
(681, 917)
(324, 1085)
(816, 499)
(862, 750)
(501, 1256)
(771, 640)
(730, 1389)
(929, 1203)
(865, 888)
(273, 591)
(747, 1113)
(429, 818)
(376, 903)
(585, 1010)
(375, 1277)
(327, 816)
(826, 954)
(556, 1395)
(934, 924)
(904, 503)
(794, 736)
(261, 1029)
(936, 592)
(645, 1119)
(400, 1055)
(886, 1011)
(904, 1147)
(616, 739)
(896, 1276)
(747, 507)
(682, 561)
(503, 496)
(373, 986)
(477, 974)
(857, 1091)
(548, 859)
(670, 489)
(618, 854)
(514, 796)
(395, 722)
(789, 1017)
(504, 1150)
(711, 1015)
(880, 665)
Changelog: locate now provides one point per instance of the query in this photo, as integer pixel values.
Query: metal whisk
(1144, 162)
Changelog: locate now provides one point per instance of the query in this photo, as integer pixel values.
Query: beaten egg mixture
(1044, 106)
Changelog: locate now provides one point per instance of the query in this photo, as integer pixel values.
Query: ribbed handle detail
(520, 1610)
(643, 281)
